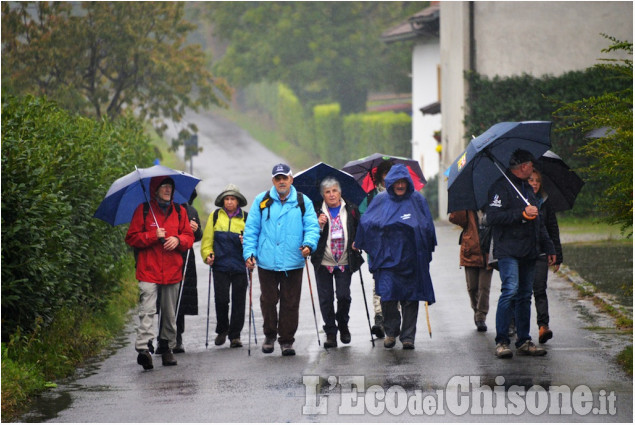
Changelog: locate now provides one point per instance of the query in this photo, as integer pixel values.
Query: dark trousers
(393, 321)
(224, 282)
(540, 291)
(324, 284)
(286, 287)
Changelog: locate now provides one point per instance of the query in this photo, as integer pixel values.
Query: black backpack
(267, 201)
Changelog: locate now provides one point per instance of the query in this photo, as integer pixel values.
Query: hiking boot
(145, 359)
(220, 338)
(503, 351)
(235, 343)
(407, 345)
(529, 349)
(544, 334)
(287, 350)
(331, 341)
(168, 358)
(389, 342)
(481, 326)
(267, 346)
(378, 328)
(162, 347)
(179, 349)
(345, 334)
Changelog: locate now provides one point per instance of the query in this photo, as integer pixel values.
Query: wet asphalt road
(219, 384)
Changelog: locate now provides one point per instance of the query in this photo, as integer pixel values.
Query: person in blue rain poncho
(398, 234)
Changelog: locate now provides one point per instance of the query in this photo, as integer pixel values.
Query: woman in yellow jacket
(221, 249)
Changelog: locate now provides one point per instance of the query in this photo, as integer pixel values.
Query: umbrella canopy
(308, 182)
(558, 181)
(127, 192)
(363, 169)
(487, 156)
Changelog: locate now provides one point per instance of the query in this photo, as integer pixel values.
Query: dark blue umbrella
(559, 182)
(308, 182)
(127, 192)
(487, 157)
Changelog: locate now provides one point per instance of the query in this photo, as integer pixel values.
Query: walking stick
(425, 303)
(209, 290)
(308, 275)
(178, 301)
(252, 319)
(361, 279)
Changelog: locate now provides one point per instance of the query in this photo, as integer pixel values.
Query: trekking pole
(425, 303)
(308, 275)
(361, 279)
(178, 301)
(252, 319)
(209, 290)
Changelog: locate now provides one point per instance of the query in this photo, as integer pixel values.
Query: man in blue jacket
(279, 234)
(518, 236)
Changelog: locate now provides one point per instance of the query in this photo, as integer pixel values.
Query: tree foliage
(612, 152)
(102, 58)
(324, 51)
(56, 168)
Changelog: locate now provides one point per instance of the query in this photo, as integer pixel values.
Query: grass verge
(30, 363)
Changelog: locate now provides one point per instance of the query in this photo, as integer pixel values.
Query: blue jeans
(517, 277)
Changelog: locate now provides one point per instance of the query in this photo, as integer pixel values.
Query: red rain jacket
(154, 263)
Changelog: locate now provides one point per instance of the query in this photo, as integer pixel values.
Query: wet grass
(608, 265)
(625, 358)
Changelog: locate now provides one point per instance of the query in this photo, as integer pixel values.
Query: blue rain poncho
(398, 234)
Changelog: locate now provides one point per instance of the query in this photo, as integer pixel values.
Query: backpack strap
(215, 217)
(267, 201)
(146, 210)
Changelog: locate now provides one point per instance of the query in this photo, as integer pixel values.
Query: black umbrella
(558, 181)
(364, 168)
(308, 182)
(487, 157)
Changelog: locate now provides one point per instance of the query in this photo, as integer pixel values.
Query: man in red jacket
(160, 236)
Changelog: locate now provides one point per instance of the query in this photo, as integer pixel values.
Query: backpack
(215, 217)
(146, 210)
(267, 201)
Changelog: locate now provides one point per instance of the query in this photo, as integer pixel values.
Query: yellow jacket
(223, 240)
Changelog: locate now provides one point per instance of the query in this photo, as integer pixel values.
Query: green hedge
(56, 169)
(327, 123)
(521, 98)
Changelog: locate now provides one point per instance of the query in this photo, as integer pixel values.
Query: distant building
(423, 28)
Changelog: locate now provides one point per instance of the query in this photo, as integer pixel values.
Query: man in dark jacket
(161, 237)
(518, 235)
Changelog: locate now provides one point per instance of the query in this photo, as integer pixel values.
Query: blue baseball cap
(281, 169)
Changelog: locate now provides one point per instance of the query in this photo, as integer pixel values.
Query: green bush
(327, 124)
(56, 169)
(524, 97)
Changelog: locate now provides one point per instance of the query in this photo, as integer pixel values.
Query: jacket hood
(398, 172)
(157, 181)
(231, 190)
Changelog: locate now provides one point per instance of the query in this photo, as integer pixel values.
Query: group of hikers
(283, 228)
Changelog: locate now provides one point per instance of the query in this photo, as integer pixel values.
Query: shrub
(56, 169)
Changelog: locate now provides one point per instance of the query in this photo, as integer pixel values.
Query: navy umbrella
(308, 182)
(127, 192)
(559, 182)
(487, 157)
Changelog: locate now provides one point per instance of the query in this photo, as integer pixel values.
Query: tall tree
(101, 58)
(322, 50)
(612, 150)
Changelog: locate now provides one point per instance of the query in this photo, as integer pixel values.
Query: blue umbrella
(308, 182)
(487, 157)
(127, 192)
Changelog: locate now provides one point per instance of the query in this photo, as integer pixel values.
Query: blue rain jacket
(274, 237)
(398, 234)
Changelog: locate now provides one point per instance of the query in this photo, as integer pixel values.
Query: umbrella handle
(510, 182)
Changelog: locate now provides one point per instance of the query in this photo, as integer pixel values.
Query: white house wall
(425, 60)
(541, 38)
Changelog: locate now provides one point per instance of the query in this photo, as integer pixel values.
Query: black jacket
(548, 216)
(189, 300)
(512, 234)
(355, 259)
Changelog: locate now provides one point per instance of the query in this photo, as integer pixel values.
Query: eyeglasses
(163, 186)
